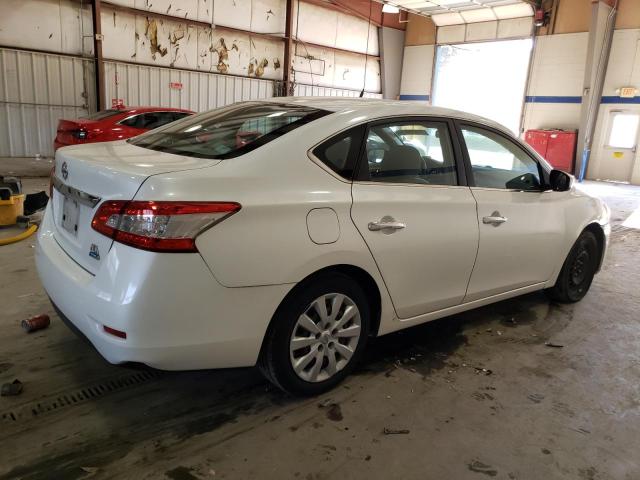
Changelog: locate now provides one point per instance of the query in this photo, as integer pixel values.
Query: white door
(521, 227)
(420, 226)
(618, 150)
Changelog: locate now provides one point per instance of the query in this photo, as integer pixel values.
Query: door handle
(385, 225)
(494, 219)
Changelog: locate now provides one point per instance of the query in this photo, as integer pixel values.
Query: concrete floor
(537, 412)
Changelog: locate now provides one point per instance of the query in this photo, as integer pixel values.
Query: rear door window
(180, 115)
(135, 122)
(153, 120)
(228, 132)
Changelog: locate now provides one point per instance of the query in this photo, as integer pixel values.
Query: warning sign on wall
(175, 85)
(117, 103)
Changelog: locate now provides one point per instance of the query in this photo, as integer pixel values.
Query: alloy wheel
(325, 337)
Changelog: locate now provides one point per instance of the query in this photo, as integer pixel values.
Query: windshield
(228, 132)
(101, 115)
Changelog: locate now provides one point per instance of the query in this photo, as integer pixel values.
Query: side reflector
(114, 332)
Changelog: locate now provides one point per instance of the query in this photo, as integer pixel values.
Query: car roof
(138, 109)
(372, 108)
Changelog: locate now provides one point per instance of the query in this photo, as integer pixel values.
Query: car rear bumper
(174, 312)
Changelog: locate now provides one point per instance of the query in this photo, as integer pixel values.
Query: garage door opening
(487, 79)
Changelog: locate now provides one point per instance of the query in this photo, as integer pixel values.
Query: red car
(115, 124)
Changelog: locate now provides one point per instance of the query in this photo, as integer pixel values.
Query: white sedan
(286, 232)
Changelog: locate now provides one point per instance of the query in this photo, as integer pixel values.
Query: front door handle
(494, 219)
(386, 223)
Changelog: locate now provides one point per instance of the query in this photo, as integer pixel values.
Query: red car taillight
(159, 226)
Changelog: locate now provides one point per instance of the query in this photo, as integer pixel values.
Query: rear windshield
(228, 132)
(101, 115)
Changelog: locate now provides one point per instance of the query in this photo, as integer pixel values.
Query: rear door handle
(385, 225)
(494, 219)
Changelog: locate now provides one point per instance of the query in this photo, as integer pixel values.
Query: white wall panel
(333, 68)
(565, 116)
(150, 85)
(303, 90)
(119, 31)
(515, 27)
(260, 16)
(558, 64)
(45, 25)
(481, 31)
(417, 68)
(497, 30)
(174, 43)
(268, 16)
(330, 28)
(36, 90)
(451, 34)
(391, 57)
(556, 79)
(623, 71)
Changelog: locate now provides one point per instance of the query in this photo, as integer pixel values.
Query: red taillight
(159, 226)
(114, 332)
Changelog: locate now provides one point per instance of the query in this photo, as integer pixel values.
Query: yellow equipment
(11, 209)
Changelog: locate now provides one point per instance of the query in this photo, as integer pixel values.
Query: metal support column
(97, 51)
(288, 50)
(603, 19)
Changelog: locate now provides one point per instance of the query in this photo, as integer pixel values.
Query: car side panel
(267, 242)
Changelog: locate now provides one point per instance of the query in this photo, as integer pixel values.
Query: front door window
(497, 162)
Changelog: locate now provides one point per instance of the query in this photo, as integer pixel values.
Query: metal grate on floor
(76, 397)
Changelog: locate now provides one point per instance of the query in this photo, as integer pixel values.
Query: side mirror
(560, 181)
(527, 181)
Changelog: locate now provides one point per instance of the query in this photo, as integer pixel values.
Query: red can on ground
(36, 323)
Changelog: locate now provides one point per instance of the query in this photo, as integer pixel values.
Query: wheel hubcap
(579, 267)
(325, 337)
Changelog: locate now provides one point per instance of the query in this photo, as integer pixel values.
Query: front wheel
(578, 270)
(317, 336)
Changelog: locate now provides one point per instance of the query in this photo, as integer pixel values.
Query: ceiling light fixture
(386, 8)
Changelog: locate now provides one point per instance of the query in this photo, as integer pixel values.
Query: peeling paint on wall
(151, 33)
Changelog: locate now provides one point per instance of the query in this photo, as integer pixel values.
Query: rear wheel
(318, 335)
(578, 270)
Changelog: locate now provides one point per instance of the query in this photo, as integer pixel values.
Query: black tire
(275, 360)
(577, 271)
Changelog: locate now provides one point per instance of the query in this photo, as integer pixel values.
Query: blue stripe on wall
(561, 99)
(550, 99)
(414, 97)
(635, 100)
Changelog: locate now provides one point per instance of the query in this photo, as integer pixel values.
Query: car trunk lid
(87, 175)
(68, 128)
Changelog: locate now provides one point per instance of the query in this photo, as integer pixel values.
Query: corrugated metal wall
(37, 89)
(303, 90)
(149, 85)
